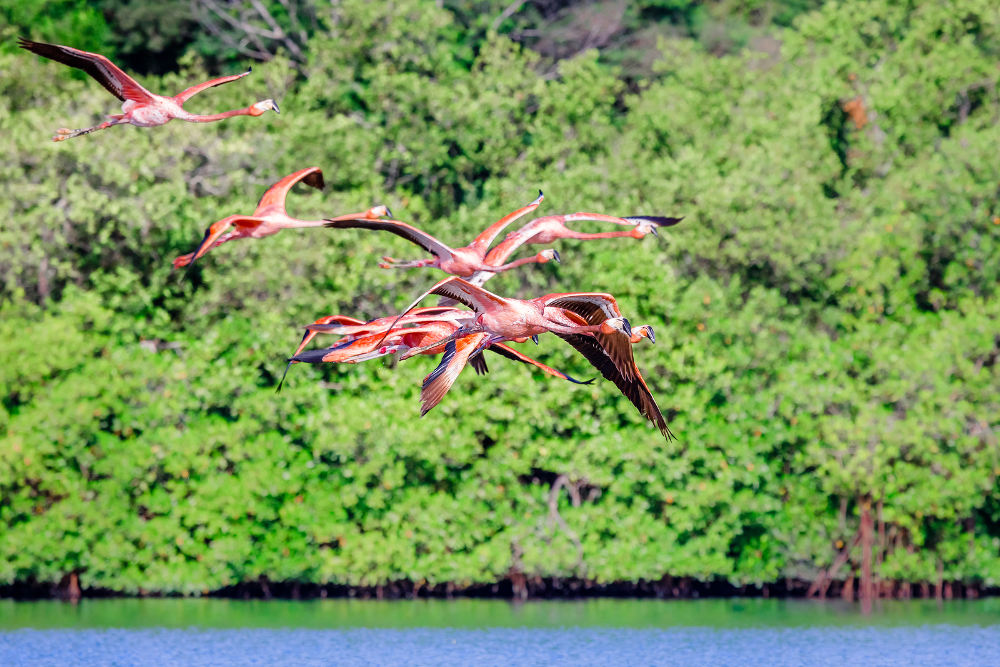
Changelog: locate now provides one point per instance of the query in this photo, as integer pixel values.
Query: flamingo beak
(650, 334)
(534, 339)
(653, 229)
(555, 256)
(626, 327)
(388, 213)
(274, 105)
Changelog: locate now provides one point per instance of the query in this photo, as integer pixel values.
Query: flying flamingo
(463, 261)
(140, 107)
(590, 322)
(378, 343)
(550, 228)
(351, 328)
(269, 218)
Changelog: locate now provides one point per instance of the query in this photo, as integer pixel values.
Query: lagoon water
(434, 632)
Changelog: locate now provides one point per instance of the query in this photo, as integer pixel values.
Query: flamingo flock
(590, 322)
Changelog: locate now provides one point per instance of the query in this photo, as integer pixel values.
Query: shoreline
(516, 588)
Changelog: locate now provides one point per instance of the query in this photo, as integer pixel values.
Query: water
(433, 632)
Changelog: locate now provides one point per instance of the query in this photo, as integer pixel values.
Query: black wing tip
(34, 47)
(309, 357)
(658, 220)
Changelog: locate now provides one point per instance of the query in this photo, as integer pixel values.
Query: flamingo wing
(109, 75)
(439, 381)
(488, 235)
(408, 232)
(655, 220)
(633, 388)
(275, 195)
(187, 94)
(217, 229)
(334, 322)
(506, 351)
(594, 308)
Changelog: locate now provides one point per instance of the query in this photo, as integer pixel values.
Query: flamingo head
(218, 232)
(260, 108)
(646, 331)
(616, 325)
(549, 255)
(380, 211)
(648, 224)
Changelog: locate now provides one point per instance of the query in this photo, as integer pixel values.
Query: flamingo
(139, 106)
(269, 218)
(378, 343)
(550, 228)
(591, 322)
(463, 261)
(352, 328)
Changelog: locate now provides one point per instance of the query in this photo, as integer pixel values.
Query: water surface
(634, 632)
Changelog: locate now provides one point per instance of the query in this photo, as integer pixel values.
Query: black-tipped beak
(534, 339)
(652, 336)
(555, 256)
(276, 109)
(388, 213)
(653, 229)
(626, 326)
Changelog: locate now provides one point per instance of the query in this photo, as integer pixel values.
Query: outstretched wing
(109, 75)
(506, 351)
(655, 220)
(488, 235)
(217, 229)
(456, 355)
(595, 308)
(188, 93)
(408, 232)
(275, 195)
(634, 388)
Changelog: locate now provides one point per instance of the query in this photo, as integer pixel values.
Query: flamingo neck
(199, 118)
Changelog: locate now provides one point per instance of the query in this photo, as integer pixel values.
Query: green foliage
(826, 315)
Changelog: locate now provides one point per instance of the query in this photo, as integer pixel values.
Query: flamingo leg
(62, 134)
(393, 263)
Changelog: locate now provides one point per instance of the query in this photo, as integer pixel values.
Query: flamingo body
(464, 261)
(269, 218)
(139, 106)
(589, 321)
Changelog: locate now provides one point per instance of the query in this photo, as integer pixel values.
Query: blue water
(200, 632)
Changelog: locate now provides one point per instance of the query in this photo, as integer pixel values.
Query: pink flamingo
(590, 322)
(139, 106)
(463, 261)
(550, 228)
(352, 328)
(269, 218)
(378, 343)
